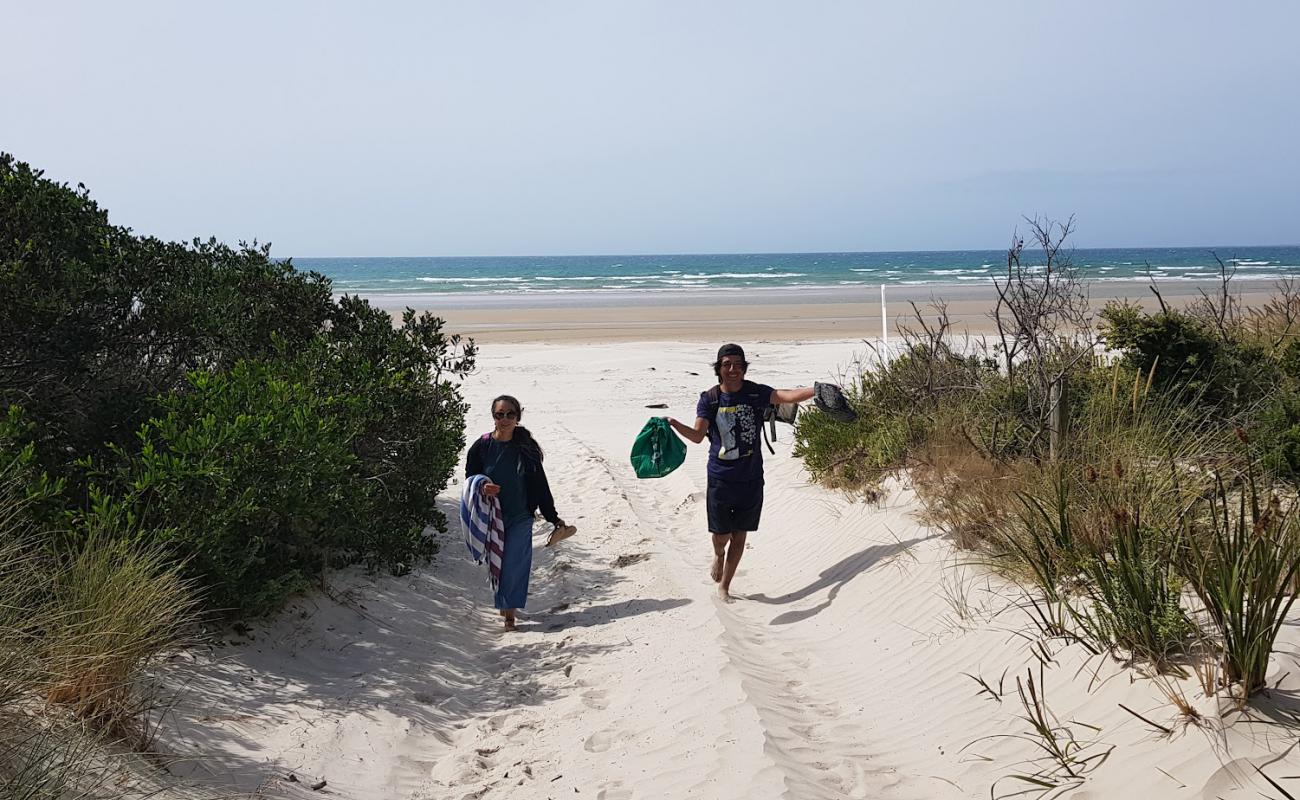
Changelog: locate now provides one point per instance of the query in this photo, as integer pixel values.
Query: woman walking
(512, 461)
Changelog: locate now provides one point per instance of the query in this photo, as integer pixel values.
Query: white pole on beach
(884, 325)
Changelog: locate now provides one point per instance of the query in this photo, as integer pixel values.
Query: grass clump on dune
(1242, 559)
(80, 630)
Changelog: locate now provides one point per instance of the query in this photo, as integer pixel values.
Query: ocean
(557, 275)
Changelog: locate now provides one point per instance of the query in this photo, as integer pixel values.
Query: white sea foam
(1187, 277)
(552, 278)
(471, 280)
(764, 275)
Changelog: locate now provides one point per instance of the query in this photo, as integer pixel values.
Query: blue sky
(641, 127)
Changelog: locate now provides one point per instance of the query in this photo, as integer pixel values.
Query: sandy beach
(265, 267)
(845, 669)
(848, 313)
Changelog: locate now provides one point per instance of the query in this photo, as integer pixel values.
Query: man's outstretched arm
(695, 434)
(791, 395)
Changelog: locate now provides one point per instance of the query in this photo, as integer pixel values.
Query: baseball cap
(730, 350)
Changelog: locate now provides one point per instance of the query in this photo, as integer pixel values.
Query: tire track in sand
(811, 748)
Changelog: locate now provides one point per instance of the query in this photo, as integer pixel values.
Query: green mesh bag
(657, 451)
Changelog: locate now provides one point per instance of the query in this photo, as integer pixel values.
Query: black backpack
(774, 413)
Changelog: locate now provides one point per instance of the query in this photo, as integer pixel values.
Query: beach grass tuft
(1242, 559)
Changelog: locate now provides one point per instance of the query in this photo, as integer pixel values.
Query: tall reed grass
(1242, 559)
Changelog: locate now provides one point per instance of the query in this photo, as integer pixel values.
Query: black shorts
(734, 506)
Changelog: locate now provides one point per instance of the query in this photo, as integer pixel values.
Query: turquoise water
(666, 273)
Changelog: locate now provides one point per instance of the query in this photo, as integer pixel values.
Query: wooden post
(1058, 418)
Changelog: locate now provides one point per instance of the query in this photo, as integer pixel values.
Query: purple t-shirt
(735, 427)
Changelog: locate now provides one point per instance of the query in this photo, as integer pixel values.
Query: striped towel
(480, 522)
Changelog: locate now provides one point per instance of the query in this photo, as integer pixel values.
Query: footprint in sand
(595, 699)
(598, 742)
(614, 792)
(511, 723)
(628, 559)
(690, 499)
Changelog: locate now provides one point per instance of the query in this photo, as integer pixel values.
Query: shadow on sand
(602, 614)
(834, 578)
(424, 648)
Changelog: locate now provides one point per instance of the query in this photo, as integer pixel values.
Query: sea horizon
(514, 275)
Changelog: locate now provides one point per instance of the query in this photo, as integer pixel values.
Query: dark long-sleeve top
(537, 490)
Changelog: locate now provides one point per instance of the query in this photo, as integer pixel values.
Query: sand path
(838, 673)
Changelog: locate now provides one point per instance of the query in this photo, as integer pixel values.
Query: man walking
(731, 416)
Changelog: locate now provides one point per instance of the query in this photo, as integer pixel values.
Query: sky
(666, 126)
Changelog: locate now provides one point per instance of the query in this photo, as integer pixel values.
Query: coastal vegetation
(190, 432)
(1136, 473)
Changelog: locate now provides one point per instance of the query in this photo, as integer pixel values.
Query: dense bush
(1240, 366)
(245, 477)
(97, 322)
(392, 385)
(263, 476)
(857, 455)
(901, 406)
(216, 401)
(183, 422)
(1185, 353)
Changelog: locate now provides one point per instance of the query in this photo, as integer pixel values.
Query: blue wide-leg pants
(516, 565)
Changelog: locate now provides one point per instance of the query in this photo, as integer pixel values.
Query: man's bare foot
(725, 594)
(716, 571)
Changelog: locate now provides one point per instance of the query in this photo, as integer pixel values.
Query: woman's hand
(491, 489)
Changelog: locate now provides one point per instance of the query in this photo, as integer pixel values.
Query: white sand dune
(837, 673)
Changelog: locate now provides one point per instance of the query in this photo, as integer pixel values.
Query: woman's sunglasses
(505, 415)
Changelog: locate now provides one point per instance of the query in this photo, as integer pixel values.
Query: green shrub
(854, 455)
(246, 477)
(98, 321)
(1276, 432)
(261, 477)
(899, 406)
(391, 385)
(1096, 534)
(1190, 356)
(218, 400)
